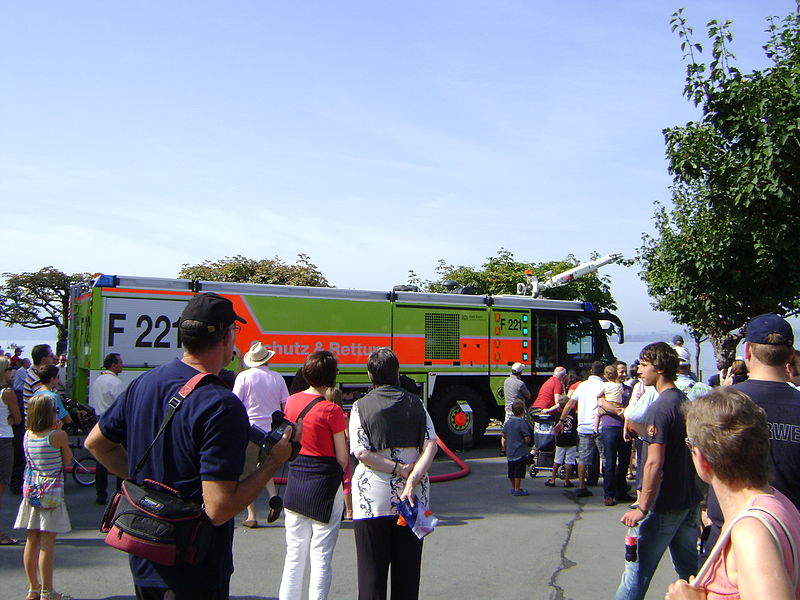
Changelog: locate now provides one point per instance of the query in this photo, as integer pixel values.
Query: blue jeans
(616, 456)
(676, 530)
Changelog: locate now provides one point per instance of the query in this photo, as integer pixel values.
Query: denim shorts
(587, 442)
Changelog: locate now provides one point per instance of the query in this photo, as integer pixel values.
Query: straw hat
(258, 355)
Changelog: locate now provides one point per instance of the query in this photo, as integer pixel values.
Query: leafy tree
(724, 252)
(247, 270)
(501, 273)
(38, 300)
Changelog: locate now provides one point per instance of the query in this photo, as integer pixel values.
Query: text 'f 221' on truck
(457, 348)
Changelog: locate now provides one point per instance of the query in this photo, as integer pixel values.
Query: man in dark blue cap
(201, 454)
(768, 347)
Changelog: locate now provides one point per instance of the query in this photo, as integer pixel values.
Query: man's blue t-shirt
(665, 424)
(781, 402)
(205, 441)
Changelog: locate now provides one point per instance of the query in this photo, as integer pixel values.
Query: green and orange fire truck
(456, 347)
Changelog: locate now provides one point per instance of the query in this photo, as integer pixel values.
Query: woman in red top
(314, 501)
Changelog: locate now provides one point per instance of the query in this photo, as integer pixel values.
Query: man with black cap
(768, 346)
(201, 454)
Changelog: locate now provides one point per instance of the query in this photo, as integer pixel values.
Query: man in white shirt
(102, 394)
(262, 391)
(586, 397)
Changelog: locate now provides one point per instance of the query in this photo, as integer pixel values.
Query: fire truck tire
(448, 418)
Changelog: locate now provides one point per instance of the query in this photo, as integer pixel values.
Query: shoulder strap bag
(309, 406)
(152, 520)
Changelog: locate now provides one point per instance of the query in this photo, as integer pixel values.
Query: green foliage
(725, 251)
(247, 270)
(38, 300)
(501, 273)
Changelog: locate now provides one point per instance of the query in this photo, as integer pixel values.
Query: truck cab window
(580, 338)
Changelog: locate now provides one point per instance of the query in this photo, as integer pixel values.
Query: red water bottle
(631, 541)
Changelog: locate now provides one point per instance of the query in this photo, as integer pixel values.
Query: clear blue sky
(376, 137)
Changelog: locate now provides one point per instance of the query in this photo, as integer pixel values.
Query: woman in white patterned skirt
(392, 436)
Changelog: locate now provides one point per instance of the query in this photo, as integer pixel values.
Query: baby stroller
(544, 441)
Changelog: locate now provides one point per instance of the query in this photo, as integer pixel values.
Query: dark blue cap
(761, 327)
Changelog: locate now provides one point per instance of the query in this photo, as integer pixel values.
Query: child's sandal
(34, 594)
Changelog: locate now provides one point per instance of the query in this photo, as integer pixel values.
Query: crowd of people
(207, 456)
(33, 452)
(389, 432)
(735, 436)
(717, 475)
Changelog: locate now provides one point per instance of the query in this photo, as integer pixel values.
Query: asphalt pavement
(549, 545)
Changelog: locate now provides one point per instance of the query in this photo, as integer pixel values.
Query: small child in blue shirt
(517, 435)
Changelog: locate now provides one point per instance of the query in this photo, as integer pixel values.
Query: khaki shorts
(565, 455)
(253, 456)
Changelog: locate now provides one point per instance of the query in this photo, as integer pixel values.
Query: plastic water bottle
(631, 542)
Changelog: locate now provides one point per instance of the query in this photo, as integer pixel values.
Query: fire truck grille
(442, 337)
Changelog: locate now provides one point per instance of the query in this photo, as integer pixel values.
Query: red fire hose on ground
(463, 470)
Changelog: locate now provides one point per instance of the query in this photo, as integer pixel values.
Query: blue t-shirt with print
(205, 441)
(516, 429)
(665, 424)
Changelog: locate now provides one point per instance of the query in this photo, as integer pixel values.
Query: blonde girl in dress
(47, 451)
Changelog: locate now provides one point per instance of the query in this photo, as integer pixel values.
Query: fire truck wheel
(451, 422)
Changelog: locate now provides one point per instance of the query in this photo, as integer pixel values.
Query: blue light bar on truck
(106, 281)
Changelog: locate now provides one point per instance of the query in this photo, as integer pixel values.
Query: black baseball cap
(760, 327)
(212, 310)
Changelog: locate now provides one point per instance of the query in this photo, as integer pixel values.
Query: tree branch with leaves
(501, 273)
(38, 300)
(725, 250)
(248, 270)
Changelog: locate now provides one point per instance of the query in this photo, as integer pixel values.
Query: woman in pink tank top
(756, 556)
